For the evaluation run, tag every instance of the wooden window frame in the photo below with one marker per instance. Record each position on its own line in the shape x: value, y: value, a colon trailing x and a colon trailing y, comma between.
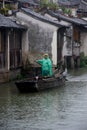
x: 15, y: 50
x: 2, y: 49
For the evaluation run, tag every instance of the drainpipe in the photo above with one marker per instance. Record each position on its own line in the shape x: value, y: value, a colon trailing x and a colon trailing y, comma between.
x: 72, y: 60
x: 8, y: 51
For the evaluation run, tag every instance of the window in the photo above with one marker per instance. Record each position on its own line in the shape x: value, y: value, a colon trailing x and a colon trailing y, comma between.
x: 76, y: 34
x: 15, y: 49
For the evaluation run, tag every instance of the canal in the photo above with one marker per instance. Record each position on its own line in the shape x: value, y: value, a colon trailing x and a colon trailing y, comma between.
x: 63, y: 108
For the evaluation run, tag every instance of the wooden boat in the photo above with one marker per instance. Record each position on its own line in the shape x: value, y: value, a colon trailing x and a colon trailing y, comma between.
x: 39, y: 84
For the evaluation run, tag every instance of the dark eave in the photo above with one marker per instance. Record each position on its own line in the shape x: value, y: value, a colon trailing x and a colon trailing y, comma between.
x: 83, y: 6
x: 72, y: 20
x: 31, y: 2
x: 70, y: 3
x: 8, y: 23
x: 41, y: 17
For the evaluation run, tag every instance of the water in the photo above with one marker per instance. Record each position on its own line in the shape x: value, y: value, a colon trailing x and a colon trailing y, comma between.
x: 64, y: 108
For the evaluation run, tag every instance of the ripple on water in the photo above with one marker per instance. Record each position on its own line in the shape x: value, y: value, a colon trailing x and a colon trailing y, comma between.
x: 64, y: 108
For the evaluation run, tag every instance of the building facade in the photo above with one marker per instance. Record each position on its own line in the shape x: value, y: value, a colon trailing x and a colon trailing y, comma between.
x: 10, y: 48
x: 44, y: 35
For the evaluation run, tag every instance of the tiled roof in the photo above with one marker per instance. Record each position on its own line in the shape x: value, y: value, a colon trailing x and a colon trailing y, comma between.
x: 28, y: 1
x: 69, y: 2
x: 41, y: 17
x: 84, y: 0
x: 73, y: 20
x: 83, y: 6
x: 8, y: 23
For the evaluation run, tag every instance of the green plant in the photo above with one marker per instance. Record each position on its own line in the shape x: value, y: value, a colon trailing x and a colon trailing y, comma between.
x: 47, y: 4
x: 83, y: 60
x: 4, y: 11
x: 69, y: 12
x: 66, y: 11
x: 63, y: 9
x: 43, y: 3
x: 52, y: 6
x: 8, y: 7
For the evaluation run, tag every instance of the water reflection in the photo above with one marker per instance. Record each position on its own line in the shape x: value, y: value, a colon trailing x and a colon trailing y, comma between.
x: 64, y: 108
x: 78, y: 75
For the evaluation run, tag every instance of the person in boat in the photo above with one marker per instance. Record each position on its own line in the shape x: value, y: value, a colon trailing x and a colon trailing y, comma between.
x: 46, y: 65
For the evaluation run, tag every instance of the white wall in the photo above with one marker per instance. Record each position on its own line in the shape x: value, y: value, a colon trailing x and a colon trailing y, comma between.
x: 44, y: 35
x: 66, y: 51
x: 54, y: 48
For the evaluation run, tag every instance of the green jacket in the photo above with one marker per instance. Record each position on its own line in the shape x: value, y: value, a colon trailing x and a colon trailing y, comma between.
x: 46, y: 66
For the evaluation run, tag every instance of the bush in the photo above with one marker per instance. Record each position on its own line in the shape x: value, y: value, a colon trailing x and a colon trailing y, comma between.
x: 4, y: 11
x: 46, y: 4
x: 83, y: 60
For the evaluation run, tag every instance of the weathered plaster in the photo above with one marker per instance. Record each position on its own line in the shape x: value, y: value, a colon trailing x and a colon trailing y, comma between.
x: 54, y: 48
x: 84, y: 43
x: 66, y: 51
x: 42, y: 37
